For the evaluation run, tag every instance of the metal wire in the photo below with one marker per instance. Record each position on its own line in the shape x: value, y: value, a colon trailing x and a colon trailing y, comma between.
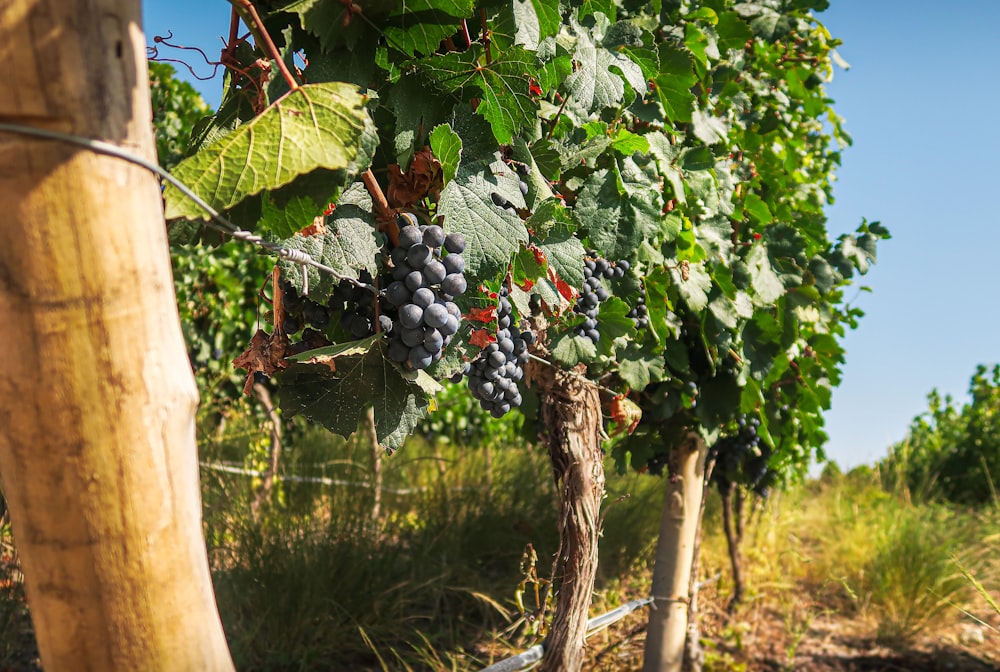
x: 217, y: 221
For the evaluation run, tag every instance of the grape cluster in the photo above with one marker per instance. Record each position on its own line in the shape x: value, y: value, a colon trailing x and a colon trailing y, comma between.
x: 640, y: 314
x: 428, y: 273
x: 594, y: 292
x: 493, y: 375
x: 742, y: 459
x: 356, y: 306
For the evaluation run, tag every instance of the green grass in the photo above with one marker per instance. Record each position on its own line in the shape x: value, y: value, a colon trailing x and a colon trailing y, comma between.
x: 313, y: 581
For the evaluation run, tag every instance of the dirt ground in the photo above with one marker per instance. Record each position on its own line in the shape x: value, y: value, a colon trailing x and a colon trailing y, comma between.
x: 768, y: 641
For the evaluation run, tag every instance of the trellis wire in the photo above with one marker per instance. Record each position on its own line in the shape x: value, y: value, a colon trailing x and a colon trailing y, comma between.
x: 217, y: 221
x: 535, y: 653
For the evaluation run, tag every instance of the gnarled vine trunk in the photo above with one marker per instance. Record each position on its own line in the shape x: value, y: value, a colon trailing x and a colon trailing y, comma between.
x: 97, y: 398
x: 675, y: 550
x: 570, y: 427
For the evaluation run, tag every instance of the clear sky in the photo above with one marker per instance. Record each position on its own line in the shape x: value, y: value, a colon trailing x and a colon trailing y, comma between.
x: 921, y: 101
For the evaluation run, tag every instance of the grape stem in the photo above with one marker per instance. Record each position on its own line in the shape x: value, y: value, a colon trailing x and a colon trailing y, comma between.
x: 607, y: 390
x: 382, y: 209
x: 267, y: 44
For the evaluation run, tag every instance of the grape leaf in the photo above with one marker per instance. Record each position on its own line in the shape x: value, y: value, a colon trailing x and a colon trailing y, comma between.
x: 447, y: 148
x: 284, y: 222
x: 638, y: 367
x: 615, y: 223
x: 528, y: 30
x: 765, y: 281
x: 503, y: 85
x: 316, y: 126
x: 596, y: 84
x: 335, y: 390
x: 565, y: 254
x: 348, y: 245
x: 493, y: 234
x: 570, y: 350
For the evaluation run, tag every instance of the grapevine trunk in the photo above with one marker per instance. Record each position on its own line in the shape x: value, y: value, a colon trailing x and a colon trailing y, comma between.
x: 570, y: 415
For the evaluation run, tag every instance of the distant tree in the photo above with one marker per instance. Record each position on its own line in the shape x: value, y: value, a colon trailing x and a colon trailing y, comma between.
x: 952, y: 453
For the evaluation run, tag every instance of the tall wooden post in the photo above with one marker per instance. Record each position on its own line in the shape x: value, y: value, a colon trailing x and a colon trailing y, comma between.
x: 97, y: 400
x: 675, y: 549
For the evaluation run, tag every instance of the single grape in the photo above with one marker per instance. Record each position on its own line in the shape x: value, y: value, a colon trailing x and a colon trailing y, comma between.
x: 454, y: 243
x: 397, y: 293
x: 434, y: 236
x: 454, y: 263
x: 418, y: 256
x: 454, y: 284
x: 411, y: 315
x: 398, y: 351
x: 435, y: 315
x: 414, y: 280
x: 423, y: 297
x: 385, y: 323
x: 412, y: 336
x: 409, y: 236
x: 420, y: 358
x: 435, y: 272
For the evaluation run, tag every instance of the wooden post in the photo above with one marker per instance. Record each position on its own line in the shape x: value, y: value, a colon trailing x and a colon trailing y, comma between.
x: 675, y: 547
x: 97, y: 400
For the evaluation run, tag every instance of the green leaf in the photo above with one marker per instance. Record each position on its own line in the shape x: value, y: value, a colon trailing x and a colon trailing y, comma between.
x: 528, y: 29
x: 733, y: 31
x: 284, y: 222
x: 493, y: 234
x: 673, y: 84
x: 565, y: 254
x: 707, y: 128
x: 348, y: 245
x: 764, y: 280
x: 694, y: 291
x: 754, y: 206
x: 316, y: 126
x: 570, y: 350
x: 638, y: 368
x: 596, y: 84
x: 447, y: 147
x: 336, y: 390
x: 616, y: 222
x: 502, y: 84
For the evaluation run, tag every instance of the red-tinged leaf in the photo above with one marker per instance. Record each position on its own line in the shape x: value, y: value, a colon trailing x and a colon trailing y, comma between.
x: 265, y: 353
x: 487, y: 314
x: 567, y: 292
x: 481, y: 338
x: 625, y: 414
x: 540, y: 257
x: 526, y: 285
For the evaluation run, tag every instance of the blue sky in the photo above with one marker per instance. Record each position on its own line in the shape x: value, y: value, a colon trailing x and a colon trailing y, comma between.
x: 920, y: 101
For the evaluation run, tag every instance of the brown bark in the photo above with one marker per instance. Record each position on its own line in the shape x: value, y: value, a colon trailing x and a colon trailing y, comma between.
x: 570, y: 418
x: 668, y: 620
x: 97, y: 399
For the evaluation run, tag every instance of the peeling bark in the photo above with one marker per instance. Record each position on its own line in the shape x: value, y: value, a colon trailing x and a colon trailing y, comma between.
x: 570, y: 428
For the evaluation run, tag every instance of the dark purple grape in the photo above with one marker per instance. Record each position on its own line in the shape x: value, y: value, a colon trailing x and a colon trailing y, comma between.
x: 420, y: 358
x: 398, y: 352
x: 397, y: 293
x: 385, y: 323
x: 418, y: 256
x: 423, y: 297
x: 412, y: 336
x: 454, y: 243
x: 411, y: 315
x: 409, y: 236
x: 415, y: 280
x: 454, y: 284
x: 454, y: 263
x: 436, y: 315
x: 434, y: 236
x: 435, y: 272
